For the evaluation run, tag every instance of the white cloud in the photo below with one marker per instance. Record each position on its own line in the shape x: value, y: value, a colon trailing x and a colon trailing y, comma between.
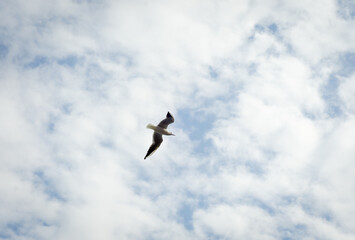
x: 81, y: 79
x: 233, y: 222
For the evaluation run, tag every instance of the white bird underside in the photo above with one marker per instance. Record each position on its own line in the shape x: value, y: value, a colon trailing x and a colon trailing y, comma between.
x: 159, y: 131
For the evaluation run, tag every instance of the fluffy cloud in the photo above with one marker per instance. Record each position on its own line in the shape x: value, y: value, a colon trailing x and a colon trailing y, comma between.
x: 263, y: 100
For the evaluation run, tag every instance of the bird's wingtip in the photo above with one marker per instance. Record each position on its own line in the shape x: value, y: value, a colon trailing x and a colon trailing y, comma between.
x: 168, y: 114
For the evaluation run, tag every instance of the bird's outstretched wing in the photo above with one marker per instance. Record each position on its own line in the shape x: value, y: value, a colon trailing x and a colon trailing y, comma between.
x: 165, y: 123
x: 157, y: 140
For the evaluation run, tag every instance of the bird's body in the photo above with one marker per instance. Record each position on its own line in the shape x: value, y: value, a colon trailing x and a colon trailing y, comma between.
x: 159, y: 131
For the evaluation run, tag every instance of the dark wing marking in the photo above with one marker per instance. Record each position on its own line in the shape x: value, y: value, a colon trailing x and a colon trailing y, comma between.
x: 164, y: 123
x: 157, y: 140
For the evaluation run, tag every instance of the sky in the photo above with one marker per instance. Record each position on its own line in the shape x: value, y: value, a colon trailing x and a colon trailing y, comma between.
x: 263, y: 96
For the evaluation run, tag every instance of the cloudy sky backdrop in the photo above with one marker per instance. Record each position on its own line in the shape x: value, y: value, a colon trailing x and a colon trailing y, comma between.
x: 263, y: 95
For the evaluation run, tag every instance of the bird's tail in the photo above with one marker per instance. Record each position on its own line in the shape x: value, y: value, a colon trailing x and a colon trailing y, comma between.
x: 151, y: 126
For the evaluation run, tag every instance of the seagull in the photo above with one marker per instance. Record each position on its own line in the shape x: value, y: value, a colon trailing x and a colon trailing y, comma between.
x: 159, y: 131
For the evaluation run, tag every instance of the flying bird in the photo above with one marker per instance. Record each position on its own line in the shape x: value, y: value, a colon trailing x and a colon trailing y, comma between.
x: 159, y: 131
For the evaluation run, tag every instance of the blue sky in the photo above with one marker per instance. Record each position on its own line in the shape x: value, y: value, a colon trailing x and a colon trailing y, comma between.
x: 263, y: 95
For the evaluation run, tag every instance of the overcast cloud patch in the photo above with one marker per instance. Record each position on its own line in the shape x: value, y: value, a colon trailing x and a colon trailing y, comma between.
x: 263, y: 99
